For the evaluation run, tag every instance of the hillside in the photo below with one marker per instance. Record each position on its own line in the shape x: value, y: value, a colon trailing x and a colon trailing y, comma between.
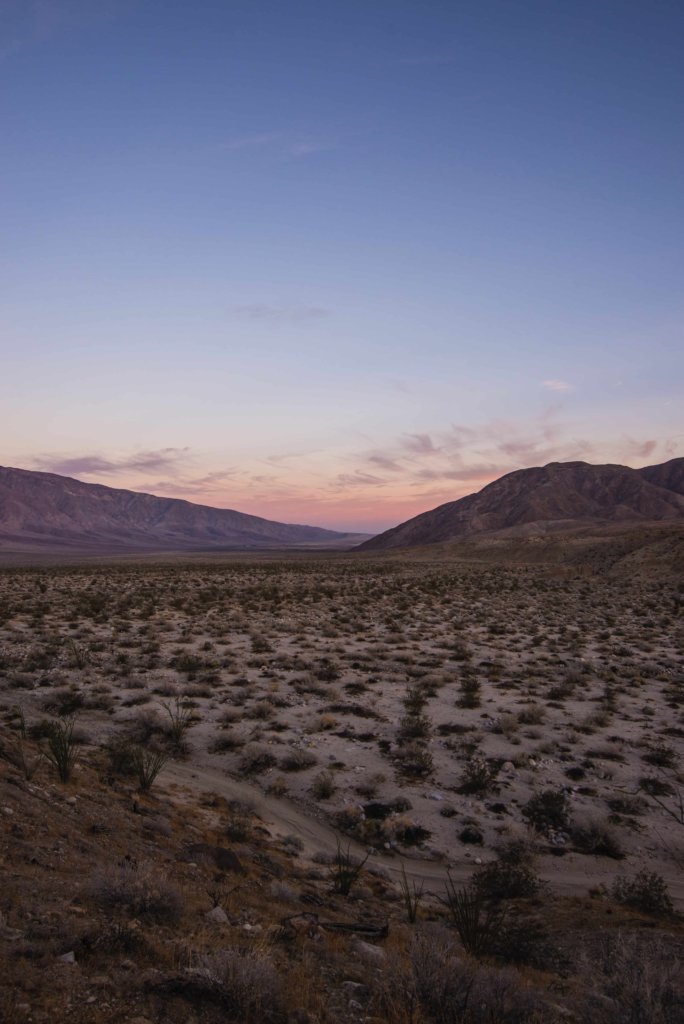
x: 43, y: 511
x: 669, y: 475
x: 559, y: 496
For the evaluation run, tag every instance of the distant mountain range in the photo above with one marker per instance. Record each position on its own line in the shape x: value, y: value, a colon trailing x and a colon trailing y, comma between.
x: 46, y: 512
x: 560, y: 496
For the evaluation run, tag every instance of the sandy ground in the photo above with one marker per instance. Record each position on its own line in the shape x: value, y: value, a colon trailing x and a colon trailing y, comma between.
x: 450, y: 695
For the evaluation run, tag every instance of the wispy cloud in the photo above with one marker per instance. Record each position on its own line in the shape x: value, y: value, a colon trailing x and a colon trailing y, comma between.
x: 95, y: 465
x: 557, y: 385
x: 421, y: 444
x: 358, y: 479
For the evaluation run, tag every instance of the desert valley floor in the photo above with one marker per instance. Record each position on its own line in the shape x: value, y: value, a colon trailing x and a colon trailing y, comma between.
x: 432, y: 713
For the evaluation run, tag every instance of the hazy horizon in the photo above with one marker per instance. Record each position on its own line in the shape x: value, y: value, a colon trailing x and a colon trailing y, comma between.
x: 339, y: 263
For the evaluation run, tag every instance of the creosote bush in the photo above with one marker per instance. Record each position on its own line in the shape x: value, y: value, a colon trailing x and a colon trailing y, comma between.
x: 511, y: 876
x: 139, y: 890
x: 245, y: 982
x: 548, y: 810
x: 646, y: 891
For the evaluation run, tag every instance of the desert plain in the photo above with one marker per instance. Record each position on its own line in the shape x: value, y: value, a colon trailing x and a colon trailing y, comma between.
x: 419, y: 716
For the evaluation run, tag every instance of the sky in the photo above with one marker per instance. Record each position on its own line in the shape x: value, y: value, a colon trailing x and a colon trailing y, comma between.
x: 339, y: 261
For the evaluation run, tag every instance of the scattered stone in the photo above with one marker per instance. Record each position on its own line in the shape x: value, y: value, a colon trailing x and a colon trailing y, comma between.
x: 369, y: 953
x: 217, y: 915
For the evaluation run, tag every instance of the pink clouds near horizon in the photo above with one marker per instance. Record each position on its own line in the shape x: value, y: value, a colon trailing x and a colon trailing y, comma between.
x: 366, y: 489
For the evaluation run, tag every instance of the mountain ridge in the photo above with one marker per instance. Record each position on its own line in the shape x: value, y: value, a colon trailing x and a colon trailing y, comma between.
x: 46, y: 510
x: 558, y: 496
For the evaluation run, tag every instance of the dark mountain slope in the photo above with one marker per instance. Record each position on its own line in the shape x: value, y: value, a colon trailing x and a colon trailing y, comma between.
x: 50, y: 511
x: 558, y: 496
x: 669, y: 475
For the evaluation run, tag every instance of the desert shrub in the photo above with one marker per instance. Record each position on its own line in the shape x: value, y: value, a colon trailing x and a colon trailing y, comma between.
x: 119, y: 752
x: 140, y: 890
x: 450, y: 989
x: 408, y: 833
x: 415, y: 700
x: 64, y: 702
x: 654, y: 786
x: 479, y: 775
x: 61, y: 749
x: 147, y: 764
x: 414, y: 727
x: 327, y: 671
x: 323, y: 786
x: 345, y: 870
x: 256, y: 759
x: 470, y: 693
x: 661, y: 755
x: 510, y: 876
x: 297, y: 760
x: 595, y: 837
x: 228, y: 739
x: 477, y: 920
x: 411, y: 896
x: 547, y: 810
x: 632, y: 805
x: 15, y: 751
x: 533, y: 714
x: 179, y: 720
x: 348, y: 817
x: 144, y: 726
x: 246, y: 983
x: 645, y: 891
x: 632, y: 979
x: 414, y: 761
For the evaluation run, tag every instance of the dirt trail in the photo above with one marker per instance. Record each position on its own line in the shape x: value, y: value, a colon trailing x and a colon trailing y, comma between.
x: 571, y: 875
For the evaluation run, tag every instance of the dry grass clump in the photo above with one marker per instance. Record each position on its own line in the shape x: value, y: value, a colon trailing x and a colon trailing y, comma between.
x: 630, y: 978
x: 434, y: 982
x: 245, y: 983
x: 138, y: 890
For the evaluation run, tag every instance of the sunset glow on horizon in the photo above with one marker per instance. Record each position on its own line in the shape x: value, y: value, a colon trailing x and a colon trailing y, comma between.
x: 339, y: 263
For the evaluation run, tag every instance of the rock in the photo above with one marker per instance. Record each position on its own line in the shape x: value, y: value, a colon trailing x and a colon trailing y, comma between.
x: 217, y: 915
x: 223, y: 858
x: 369, y: 953
x: 68, y: 958
x: 355, y: 990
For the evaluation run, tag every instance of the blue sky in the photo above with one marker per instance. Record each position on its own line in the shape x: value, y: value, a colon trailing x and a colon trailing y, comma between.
x: 338, y: 262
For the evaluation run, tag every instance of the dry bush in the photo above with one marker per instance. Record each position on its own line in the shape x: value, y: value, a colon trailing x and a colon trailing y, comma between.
x: 140, y: 890
x: 645, y: 891
x: 632, y: 979
x: 511, y: 876
x: 256, y: 759
x: 246, y: 983
x: 323, y: 786
x: 437, y: 985
x: 298, y: 760
x: 592, y: 836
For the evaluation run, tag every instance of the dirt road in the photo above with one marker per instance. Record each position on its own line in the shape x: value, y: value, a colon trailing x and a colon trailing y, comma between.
x: 571, y: 875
